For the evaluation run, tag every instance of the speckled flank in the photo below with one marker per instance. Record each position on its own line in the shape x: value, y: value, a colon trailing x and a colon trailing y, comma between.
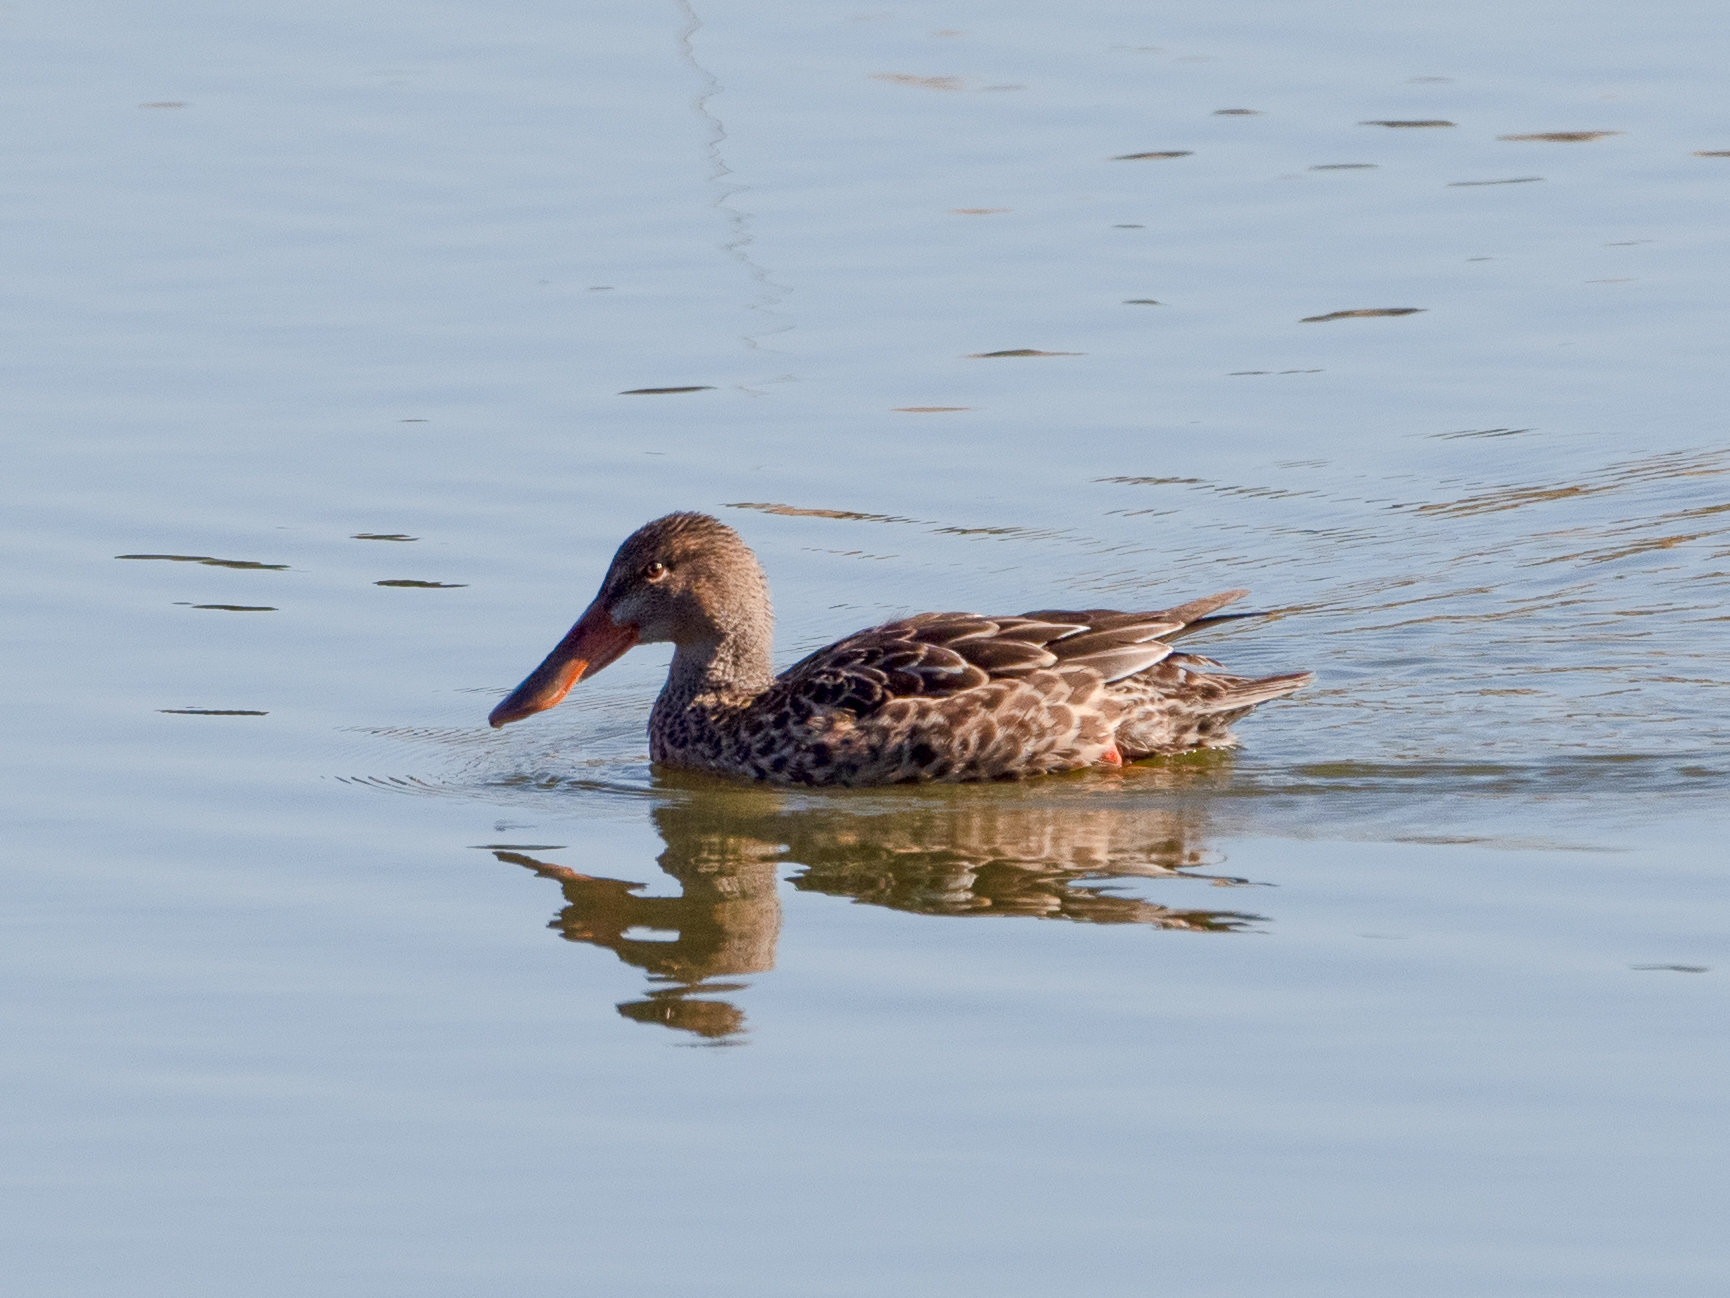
x: 938, y: 697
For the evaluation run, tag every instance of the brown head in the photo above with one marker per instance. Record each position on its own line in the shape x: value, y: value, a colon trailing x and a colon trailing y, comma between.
x: 686, y: 579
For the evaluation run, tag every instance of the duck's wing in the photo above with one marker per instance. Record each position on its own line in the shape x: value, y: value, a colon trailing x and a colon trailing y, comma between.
x: 1196, y: 615
x: 936, y: 655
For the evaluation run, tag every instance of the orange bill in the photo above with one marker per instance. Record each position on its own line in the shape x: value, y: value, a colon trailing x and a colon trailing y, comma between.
x: 589, y: 646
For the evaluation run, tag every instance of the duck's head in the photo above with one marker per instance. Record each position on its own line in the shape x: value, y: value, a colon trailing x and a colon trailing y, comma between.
x: 686, y: 579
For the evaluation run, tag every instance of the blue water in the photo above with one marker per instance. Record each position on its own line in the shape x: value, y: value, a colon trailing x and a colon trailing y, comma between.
x: 338, y: 991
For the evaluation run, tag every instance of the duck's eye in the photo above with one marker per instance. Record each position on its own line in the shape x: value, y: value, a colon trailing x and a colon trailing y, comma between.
x: 655, y: 571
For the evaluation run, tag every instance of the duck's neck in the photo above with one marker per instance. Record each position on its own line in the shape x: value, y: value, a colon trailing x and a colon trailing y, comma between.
x: 726, y: 672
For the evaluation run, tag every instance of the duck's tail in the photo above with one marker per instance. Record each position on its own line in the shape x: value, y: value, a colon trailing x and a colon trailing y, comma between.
x: 1182, y: 705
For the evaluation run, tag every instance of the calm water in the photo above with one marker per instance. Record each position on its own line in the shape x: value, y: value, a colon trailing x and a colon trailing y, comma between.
x: 318, y: 321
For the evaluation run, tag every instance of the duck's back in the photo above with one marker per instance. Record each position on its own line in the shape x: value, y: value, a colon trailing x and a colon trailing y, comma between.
x: 961, y: 697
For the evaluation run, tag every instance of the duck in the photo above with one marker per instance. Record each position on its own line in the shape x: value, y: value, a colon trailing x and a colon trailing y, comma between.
x: 938, y: 697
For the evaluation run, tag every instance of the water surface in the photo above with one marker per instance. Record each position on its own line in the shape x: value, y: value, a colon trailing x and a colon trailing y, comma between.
x: 391, y: 321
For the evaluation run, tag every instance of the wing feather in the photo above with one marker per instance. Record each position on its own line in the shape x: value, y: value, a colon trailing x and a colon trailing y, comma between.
x: 941, y: 655
x: 1127, y: 660
x: 1130, y: 633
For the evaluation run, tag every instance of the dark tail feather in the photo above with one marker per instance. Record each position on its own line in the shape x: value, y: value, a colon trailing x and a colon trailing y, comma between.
x: 1198, y: 609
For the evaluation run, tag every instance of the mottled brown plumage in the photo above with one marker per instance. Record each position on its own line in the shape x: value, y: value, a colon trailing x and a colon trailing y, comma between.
x: 940, y: 696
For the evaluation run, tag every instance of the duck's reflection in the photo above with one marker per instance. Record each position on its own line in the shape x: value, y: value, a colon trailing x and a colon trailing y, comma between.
x: 992, y: 853
x: 724, y: 923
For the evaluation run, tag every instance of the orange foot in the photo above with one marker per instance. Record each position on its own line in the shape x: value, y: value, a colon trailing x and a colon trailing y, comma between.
x: 1111, y: 757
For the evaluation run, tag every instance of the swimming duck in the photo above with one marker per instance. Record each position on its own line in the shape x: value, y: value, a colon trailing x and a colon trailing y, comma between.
x: 937, y: 697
